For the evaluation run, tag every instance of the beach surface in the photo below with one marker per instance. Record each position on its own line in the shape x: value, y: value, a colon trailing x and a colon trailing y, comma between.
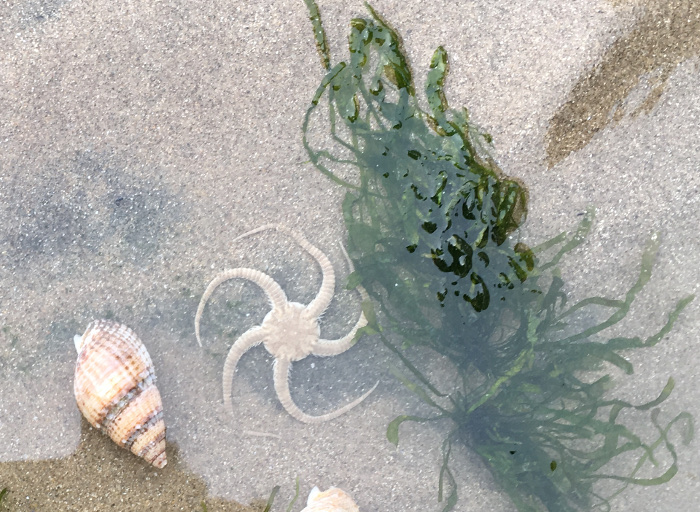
x: 138, y: 139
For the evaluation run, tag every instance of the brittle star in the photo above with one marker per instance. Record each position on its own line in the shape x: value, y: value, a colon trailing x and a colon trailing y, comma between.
x: 290, y: 331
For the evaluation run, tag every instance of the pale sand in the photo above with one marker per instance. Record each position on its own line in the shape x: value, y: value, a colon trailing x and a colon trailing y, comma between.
x: 137, y: 139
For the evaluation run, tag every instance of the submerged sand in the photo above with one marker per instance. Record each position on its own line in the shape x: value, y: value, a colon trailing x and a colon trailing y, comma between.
x: 138, y: 139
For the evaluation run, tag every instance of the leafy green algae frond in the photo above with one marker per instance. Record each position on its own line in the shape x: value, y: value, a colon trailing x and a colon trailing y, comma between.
x: 429, y: 218
x: 424, y: 188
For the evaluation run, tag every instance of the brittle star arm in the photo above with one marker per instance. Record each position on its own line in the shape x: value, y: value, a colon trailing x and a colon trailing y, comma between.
x: 248, y: 340
x: 273, y: 291
x: 281, y: 378
x: 325, y: 294
x: 326, y: 348
x: 334, y: 347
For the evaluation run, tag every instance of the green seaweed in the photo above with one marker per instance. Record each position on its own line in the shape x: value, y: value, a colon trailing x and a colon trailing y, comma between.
x: 430, y: 222
x: 271, y: 499
x: 273, y: 494
x: 296, y: 495
x: 429, y: 190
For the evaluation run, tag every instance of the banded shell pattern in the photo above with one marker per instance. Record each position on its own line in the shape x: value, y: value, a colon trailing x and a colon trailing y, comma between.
x: 115, y: 388
x: 332, y: 500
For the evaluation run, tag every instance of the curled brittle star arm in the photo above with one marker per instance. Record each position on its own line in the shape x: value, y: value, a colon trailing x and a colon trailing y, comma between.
x: 325, y: 294
x: 334, y: 347
x: 281, y: 378
x: 273, y: 291
x: 247, y: 340
x: 326, y: 348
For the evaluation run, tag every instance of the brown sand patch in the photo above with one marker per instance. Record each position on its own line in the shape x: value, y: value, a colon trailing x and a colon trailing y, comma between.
x: 101, y: 476
x: 667, y: 33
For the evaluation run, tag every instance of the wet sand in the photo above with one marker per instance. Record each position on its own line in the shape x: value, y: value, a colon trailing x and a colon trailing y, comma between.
x: 137, y: 140
x: 97, y: 476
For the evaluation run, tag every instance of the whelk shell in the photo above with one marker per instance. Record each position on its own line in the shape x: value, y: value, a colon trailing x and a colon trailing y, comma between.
x: 332, y: 500
x: 116, y: 391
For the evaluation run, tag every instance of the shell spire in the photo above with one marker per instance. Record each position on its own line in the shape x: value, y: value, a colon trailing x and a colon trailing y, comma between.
x: 115, y: 388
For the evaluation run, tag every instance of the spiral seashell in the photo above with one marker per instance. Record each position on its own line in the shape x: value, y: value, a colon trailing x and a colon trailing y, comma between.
x: 115, y: 387
x: 332, y: 500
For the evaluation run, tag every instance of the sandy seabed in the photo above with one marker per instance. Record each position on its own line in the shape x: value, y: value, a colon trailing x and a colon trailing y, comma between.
x: 137, y: 139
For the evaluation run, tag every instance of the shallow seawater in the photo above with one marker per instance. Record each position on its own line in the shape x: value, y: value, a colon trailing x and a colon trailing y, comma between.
x: 137, y: 141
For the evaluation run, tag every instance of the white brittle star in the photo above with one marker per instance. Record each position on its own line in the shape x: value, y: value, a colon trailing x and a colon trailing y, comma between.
x: 290, y: 331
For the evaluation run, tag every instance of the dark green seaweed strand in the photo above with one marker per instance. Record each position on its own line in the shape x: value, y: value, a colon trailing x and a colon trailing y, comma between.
x: 296, y: 495
x: 319, y: 34
x: 687, y: 437
x: 446, y: 477
x: 271, y: 499
x: 622, y: 310
x: 392, y: 431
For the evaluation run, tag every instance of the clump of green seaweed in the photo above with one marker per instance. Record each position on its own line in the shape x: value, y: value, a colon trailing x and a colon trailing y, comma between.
x: 429, y: 231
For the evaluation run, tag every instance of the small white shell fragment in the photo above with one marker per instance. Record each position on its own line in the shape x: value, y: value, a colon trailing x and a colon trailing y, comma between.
x: 332, y: 500
x: 115, y: 388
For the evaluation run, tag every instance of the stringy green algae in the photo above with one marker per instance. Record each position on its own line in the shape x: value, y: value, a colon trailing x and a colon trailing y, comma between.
x: 429, y: 217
